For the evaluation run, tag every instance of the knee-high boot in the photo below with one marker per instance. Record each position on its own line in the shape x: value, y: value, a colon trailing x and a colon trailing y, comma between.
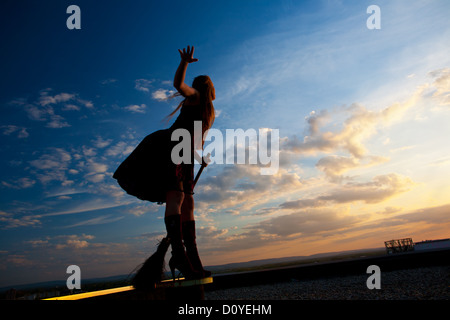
x: 179, y: 259
x: 191, y: 247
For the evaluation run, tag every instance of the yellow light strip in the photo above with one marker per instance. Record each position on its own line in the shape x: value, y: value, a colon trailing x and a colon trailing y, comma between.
x: 179, y: 282
x: 85, y: 295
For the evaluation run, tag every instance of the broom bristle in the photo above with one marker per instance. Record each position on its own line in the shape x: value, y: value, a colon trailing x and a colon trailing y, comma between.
x: 152, y: 269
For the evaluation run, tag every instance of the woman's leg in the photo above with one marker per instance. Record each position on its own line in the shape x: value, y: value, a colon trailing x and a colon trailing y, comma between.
x: 172, y: 219
x: 174, y: 201
x: 189, y: 234
x: 187, y: 208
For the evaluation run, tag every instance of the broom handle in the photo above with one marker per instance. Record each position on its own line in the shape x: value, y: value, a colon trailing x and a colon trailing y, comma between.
x: 200, y: 171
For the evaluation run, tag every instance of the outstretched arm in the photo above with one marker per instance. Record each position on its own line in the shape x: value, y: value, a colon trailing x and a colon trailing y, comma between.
x: 178, y: 82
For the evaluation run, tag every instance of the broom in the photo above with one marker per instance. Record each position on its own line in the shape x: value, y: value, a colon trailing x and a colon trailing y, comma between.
x: 152, y: 269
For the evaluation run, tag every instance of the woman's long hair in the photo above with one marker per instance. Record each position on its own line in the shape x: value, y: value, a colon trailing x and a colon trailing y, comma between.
x: 205, y: 87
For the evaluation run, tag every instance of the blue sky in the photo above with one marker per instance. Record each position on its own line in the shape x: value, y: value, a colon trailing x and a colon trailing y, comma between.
x: 362, y: 116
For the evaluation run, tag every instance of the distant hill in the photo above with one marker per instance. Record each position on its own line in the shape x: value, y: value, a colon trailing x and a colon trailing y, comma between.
x: 288, y: 261
x: 225, y: 268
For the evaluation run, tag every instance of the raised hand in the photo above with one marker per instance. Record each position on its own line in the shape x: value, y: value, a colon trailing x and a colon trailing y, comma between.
x: 187, y: 55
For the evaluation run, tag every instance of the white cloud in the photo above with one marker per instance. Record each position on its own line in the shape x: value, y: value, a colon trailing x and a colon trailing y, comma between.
x: 73, y: 107
x: 360, y: 124
x: 62, y: 97
x: 72, y: 241
x: 335, y: 166
x: 306, y: 223
x: 56, y: 121
x: 96, y: 221
x: 51, y: 165
x: 9, y: 220
x: 45, y: 100
x: 442, y: 85
x: 88, y: 104
x: 85, y: 206
x: 21, y: 183
x: 162, y: 94
x: 43, y: 108
x: 95, y: 178
x: 121, y: 148
x: 143, y: 209
x: 143, y: 85
x: 12, y: 129
x: 55, y: 159
x: 95, y: 167
x: 380, y: 189
x: 211, y: 232
x: 243, y: 188
x: 38, y: 114
x: 100, y: 143
x: 136, y: 108
x: 108, y: 81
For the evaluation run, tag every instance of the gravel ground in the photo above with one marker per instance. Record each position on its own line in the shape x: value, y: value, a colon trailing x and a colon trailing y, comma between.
x: 431, y: 283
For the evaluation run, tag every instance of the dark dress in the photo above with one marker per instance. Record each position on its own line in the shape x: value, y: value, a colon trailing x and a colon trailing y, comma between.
x: 149, y: 172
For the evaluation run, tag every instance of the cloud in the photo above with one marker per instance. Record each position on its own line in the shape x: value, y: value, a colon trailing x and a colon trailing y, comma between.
x: 46, y: 99
x: 19, y: 260
x: 433, y: 215
x: 162, y: 94
x: 381, y: 188
x: 136, y: 108
x: 95, y: 167
x: 52, y: 166
x: 38, y: 113
x: 12, y: 129
x: 335, y: 166
x: 71, y: 241
x: 307, y: 223
x: 442, y: 85
x: 56, y: 121
x: 143, y: 85
x: 360, y: 124
x: 43, y: 108
x: 9, y: 220
x: 96, y: 221
x: 243, y: 186
x: 21, y: 183
x: 346, y: 130
x: 57, y: 158
x: 328, y: 222
x: 108, y: 81
x: 410, y: 223
x: 211, y: 232
x: 95, y: 171
x: 85, y: 206
x: 120, y: 148
x: 100, y: 143
x: 143, y: 209
x: 73, y: 107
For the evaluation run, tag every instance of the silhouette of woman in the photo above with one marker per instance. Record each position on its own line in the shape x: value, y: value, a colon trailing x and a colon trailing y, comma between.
x: 150, y: 174
x: 179, y: 215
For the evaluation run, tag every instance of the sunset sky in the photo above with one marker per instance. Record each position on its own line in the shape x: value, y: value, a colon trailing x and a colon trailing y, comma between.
x: 363, y: 117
